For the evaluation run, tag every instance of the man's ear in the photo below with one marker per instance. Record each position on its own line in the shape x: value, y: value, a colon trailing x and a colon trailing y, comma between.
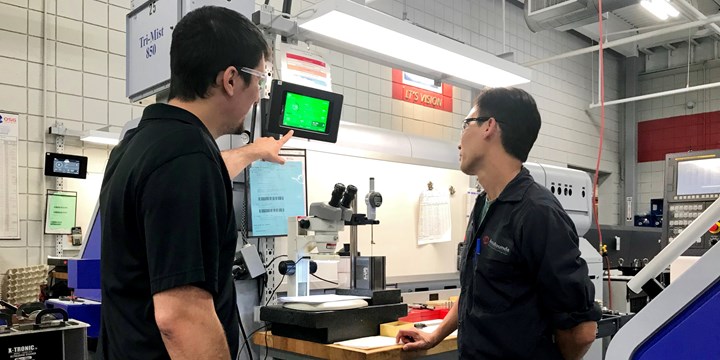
x: 228, y: 80
x: 492, y: 127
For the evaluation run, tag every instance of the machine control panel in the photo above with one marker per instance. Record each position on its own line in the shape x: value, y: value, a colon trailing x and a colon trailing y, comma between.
x: 682, y: 214
x: 691, y: 186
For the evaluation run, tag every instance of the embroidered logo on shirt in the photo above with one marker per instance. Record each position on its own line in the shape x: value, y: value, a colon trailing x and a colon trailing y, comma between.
x: 499, y: 248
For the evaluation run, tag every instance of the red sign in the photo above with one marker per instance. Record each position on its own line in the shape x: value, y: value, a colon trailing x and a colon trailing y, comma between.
x: 411, y: 88
x: 677, y: 134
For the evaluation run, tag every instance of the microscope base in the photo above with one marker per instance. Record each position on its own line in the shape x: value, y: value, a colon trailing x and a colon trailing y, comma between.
x: 330, y: 326
x: 377, y: 297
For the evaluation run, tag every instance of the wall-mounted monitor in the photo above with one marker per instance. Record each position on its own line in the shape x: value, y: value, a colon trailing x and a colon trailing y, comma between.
x: 64, y: 165
x: 311, y: 113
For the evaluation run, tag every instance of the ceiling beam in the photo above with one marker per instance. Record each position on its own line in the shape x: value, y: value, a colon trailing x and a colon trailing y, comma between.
x: 627, y: 40
x: 696, y: 14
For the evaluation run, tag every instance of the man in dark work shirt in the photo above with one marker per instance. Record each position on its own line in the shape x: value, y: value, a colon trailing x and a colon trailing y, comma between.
x: 168, y: 228
x: 525, y: 291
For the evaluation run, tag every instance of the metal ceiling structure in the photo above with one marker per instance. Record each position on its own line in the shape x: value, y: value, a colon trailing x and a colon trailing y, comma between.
x: 625, y: 20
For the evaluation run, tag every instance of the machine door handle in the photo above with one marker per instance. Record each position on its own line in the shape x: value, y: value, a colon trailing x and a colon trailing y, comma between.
x: 38, y: 318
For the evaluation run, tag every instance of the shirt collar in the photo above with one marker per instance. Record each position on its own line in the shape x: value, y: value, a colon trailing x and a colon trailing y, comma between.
x: 166, y: 111
x: 515, y: 189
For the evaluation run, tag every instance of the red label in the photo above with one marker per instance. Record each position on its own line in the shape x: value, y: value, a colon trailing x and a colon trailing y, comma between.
x: 413, y: 94
x: 305, y: 59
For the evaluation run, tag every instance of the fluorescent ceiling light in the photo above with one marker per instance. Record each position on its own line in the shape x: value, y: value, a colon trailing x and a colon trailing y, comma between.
x: 368, y: 33
x: 100, y: 137
x: 662, y: 9
x: 669, y: 9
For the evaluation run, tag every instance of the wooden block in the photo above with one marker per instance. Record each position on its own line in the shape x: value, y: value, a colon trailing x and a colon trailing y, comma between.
x: 391, y: 329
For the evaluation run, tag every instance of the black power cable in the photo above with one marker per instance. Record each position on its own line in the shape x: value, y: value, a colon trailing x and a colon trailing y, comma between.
x: 273, y: 260
x: 325, y: 280
x: 245, y: 341
x: 242, y: 329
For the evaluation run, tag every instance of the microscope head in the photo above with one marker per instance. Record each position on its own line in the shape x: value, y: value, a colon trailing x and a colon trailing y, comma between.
x: 337, y: 209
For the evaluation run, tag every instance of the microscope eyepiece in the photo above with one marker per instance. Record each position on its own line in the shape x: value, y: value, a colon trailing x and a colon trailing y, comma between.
x: 337, y: 194
x: 349, y: 196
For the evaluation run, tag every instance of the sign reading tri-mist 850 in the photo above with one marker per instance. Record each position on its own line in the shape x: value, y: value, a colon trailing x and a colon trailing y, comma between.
x: 311, y: 113
x: 149, y: 33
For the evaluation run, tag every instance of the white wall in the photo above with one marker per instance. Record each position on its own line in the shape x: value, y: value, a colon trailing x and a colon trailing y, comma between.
x: 563, y: 89
x: 86, y: 87
x: 86, y: 48
x: 667, y: 70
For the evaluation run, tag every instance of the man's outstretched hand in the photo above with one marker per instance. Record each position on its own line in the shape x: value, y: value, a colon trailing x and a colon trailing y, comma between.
x: 414, y: 339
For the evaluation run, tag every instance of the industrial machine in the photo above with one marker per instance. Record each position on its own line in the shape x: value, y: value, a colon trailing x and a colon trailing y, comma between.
x: 629, y: 248
x: 573, y: 188
x: 41, y: 334
x: 84, y: 280
x: 692, y: 183
x: 682, y: 319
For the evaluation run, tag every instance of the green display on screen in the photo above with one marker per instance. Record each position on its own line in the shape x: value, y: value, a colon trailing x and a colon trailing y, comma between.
x: 305, y: 112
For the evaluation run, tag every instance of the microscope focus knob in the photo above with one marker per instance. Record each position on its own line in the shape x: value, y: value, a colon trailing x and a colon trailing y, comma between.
x: 287, y: 267
x: 374, y: 199
x: 304, y: 224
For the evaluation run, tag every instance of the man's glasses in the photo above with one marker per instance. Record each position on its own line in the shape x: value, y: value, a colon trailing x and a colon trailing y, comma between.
x: 261, y: 76
x: 479, y: 120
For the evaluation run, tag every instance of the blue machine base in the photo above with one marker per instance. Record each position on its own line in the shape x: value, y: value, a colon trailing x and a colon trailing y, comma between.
x: 693, y: 334
x: 84, y: 277
x: 86, y: 312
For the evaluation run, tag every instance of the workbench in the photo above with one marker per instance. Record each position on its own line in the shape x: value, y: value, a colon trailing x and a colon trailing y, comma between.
x: 280, y: 347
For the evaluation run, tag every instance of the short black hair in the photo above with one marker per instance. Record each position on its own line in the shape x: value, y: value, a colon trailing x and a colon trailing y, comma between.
x: 209, y: 40
x: 517, y: 116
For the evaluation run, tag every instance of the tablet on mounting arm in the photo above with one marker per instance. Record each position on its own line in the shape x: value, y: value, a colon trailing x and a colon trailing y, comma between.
x: 311, y: 113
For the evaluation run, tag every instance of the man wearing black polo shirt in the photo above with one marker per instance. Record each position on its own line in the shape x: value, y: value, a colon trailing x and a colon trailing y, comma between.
x: 525, y: 291
x: 168, y: 228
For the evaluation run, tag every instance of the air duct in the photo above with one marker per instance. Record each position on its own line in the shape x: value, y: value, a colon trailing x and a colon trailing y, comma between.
x: 566, y: 14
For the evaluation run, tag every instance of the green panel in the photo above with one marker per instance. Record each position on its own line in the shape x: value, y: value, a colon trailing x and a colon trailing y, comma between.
x: 305, y: 112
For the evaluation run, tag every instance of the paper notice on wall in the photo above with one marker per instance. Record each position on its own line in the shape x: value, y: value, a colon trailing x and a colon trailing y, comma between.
x: 60, y: 212
x: 9, y: 205
x: 472, y: 194
x: 303, y: 68
x: 434, y: 224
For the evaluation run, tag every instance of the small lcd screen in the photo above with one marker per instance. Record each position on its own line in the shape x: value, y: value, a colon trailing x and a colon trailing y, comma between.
x: 697, y: 177
x: 66, y: 166
x: 305, y: 112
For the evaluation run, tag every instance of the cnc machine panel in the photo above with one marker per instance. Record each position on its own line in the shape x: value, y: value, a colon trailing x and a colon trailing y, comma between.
x: 692, y: 183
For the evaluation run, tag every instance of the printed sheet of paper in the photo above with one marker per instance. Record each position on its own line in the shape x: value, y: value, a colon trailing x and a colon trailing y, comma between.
x: 370, y: 342
x: 434, y: 224
x: 472, y: 195
x: 61, y: 212
x: 9, y: 204
x: 277, y: 192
